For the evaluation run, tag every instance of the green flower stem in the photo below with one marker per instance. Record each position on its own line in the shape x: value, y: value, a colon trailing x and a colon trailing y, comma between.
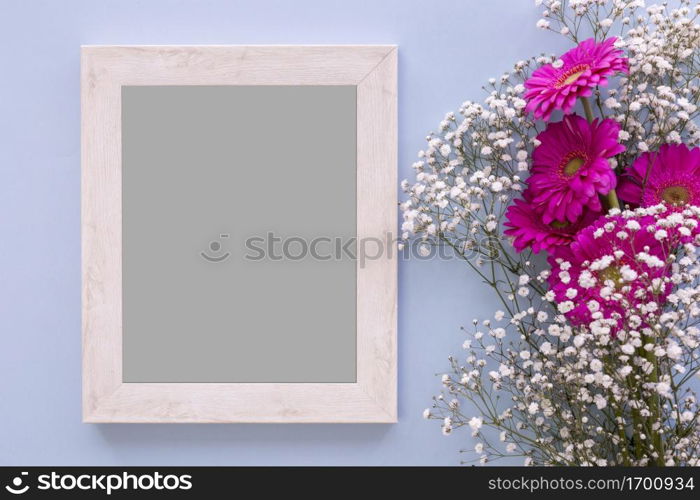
x: 655, y: 405
x: 636, y: 425
x: 609, y: 200
x: 624, y: 442
x: 587, y: 109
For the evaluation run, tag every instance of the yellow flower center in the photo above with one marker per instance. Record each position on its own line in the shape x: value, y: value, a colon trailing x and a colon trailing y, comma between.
x: 559, y: 225
x: 573, y: 165
x: 675, y: 195
x: 570, y: 76
x: 611, y: 273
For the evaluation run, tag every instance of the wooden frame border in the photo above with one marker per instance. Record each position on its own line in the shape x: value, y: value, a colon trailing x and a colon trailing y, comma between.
x: 104, y: 69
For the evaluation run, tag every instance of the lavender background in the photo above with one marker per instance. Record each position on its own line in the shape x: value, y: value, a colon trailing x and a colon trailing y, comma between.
x: 447, y: 49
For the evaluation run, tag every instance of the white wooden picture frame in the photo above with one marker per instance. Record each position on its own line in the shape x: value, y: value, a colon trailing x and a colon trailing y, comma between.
x: 106, y: 398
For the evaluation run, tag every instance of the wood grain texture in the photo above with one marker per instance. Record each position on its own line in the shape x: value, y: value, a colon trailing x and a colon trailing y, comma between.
x: 376, y: 220
x: 100, y: 234
x: 236, y: 65
x: 104, y: 70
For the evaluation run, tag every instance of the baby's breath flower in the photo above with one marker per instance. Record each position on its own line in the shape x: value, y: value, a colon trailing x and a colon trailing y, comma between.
x: 597, y: 373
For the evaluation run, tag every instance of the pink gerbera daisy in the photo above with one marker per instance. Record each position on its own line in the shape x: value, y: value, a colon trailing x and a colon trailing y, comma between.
x: 671, y: 176
x: 525, y: 225
x: 570, y: 167
x: 557, y: 86
x: 602, y: 269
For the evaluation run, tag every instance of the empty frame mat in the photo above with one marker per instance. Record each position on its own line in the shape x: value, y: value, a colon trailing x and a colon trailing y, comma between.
x: 238, y: 208
x: 233, y: 199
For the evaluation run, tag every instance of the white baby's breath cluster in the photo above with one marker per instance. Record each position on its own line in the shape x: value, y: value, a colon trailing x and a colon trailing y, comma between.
x: 657, y: 102
x: 537, y: 386
x: 472, y: 168
x: 557, y: 394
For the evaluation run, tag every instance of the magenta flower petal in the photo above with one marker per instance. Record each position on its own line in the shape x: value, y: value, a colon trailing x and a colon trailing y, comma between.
x: 602, y: 258
x: 585, y: 66
x: 671, y: 176
x: 525, y: 225
x: 570, y: 167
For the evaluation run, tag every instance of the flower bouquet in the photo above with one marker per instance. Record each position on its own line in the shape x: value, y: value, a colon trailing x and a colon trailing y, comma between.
x: 574, y: 193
